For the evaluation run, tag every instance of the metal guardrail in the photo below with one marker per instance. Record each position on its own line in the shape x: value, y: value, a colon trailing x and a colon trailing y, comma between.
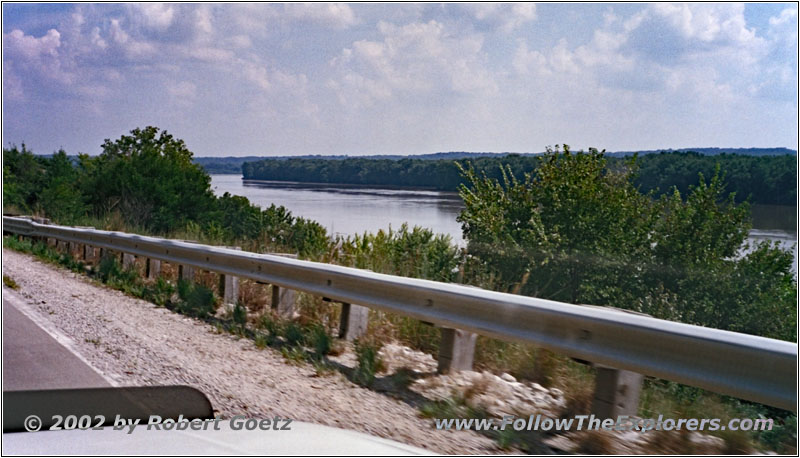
x: 744, y: 366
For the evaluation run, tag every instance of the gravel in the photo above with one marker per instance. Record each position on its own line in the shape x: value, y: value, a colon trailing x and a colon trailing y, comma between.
x: 135, y: 343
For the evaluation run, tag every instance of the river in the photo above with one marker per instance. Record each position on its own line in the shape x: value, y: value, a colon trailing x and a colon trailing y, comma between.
x: 348, y: 210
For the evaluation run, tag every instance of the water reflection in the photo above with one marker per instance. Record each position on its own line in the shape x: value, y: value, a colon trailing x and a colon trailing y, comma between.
x: 349, y: 210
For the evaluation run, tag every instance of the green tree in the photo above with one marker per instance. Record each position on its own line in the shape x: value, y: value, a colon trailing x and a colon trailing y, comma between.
x: 61, y: 198
x: 149, y: 178
x: 23, y: 178
x: 578, y: 230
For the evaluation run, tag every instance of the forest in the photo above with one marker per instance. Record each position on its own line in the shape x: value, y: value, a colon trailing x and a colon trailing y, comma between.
x: 757, y: 179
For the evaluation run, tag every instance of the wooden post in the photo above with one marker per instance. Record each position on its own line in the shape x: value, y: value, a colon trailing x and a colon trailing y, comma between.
x: 354, y: 320
x: 283, y: 301
x: 128, y: 261
x: 616, y: 392
x: 229, y: 288
x: 456, y: 351
x: 186, y: 273
x: 88, y: 254
x: 153, y: 268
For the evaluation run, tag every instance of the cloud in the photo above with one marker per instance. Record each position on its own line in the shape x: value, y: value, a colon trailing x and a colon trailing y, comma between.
x: 667, y: 32
x: 336, y: 15
x: 503, y: 16
x: 412, y: 60
x: 353, y: 77
x: 157, y: 16
x: 36, y: 57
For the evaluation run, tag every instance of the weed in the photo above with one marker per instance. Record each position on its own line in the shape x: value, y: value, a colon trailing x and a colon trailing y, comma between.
x: 8, y: 281
x: 323, y: 369
x: 293, y: 355
x: 294, y: 334
x: 158, y: 292
x: 197, y: 300
x: 240, y: 314
x: 320, y: 340
x: 369, y: 362
x: 261, y: 341
x: 451, y: 408
x: 94, y: 341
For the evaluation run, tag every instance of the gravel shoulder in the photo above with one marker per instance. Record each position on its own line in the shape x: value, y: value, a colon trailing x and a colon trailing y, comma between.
x: 134, y: 343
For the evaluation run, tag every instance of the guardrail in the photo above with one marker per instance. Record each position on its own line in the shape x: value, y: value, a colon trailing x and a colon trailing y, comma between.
x: 744, y: 366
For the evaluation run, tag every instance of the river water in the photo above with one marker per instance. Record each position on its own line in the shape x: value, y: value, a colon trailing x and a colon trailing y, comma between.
x: 349, y: 210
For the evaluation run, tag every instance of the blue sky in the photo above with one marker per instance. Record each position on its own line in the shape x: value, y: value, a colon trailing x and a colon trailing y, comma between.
x: 274, y: 79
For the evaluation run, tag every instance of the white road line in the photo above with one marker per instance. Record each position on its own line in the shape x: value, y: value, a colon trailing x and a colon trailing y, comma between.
x: 15, y: 300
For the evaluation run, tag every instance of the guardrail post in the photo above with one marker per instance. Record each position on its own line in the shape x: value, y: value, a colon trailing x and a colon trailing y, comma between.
x: 456, y: 351
x: 354, y: 320
x: 229, y: 287
x: 186, y: 273
x: 616, y: 392
x: 229, y: 290
x: 128, y: 261
x: 283, y: 301
x: 88, y: 253
x: 152, y: 268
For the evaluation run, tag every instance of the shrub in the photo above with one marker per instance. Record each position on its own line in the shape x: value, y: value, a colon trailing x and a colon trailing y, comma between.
x: 369, y: 362
x: 240, y: 314
x: 196, y: 299
x: 320, y: 340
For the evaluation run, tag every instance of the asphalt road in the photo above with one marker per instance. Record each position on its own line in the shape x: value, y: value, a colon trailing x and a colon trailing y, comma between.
x: 34, y: 360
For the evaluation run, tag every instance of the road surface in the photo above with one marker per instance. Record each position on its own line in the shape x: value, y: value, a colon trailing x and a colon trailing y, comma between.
x: 34, y: 360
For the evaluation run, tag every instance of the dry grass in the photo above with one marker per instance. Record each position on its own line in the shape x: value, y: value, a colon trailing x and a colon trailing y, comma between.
x: 255, y: 296
x: 595, y: 442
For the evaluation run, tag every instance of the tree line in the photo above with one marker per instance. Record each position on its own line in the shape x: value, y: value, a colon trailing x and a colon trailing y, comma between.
x: 572, y: 227
x: 759, y: 179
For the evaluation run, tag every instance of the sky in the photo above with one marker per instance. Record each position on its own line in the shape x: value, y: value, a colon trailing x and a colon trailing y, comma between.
x: 292, y: 79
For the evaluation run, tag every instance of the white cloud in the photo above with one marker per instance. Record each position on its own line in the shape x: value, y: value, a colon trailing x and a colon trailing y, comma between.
x: 38, y: 56
x: 336, y: 15
x: 158, y: 16
x: 358, y: 78
x: 504, y: 16
x: 678, y: 32
x: 414, y: 59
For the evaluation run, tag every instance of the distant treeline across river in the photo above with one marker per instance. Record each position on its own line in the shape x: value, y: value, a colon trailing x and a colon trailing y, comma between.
x: 762, y: 179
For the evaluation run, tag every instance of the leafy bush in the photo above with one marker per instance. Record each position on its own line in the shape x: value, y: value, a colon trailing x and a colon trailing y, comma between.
x: 576, y: 230
x: 294, y: 334
x: 159, y: 292
x: 196, y: 299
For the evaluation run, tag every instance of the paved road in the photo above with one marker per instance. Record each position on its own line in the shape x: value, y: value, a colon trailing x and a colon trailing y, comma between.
x: 34, y: 360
